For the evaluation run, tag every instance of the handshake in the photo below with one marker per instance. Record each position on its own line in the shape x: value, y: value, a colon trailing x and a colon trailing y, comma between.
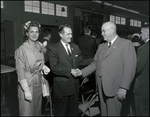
x: 76, y: 72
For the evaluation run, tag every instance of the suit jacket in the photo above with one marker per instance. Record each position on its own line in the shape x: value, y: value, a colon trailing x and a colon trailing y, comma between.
x: 60, y: 63
x: 87, y: 46
x: 141, y: 86
x: 115, y: 65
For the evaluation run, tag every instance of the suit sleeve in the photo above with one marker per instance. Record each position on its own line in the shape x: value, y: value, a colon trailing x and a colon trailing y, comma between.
x: 129, y: 63
x: 143, y: 54
x: 91, y: 67
x: 20, y: 64
x: 82, y: 61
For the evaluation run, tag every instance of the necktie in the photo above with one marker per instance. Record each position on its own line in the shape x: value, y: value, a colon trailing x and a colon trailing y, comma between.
x: 109, y: 44
x: 69, y: 53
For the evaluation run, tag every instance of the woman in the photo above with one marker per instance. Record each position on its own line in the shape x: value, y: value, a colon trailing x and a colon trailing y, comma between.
x: 30, y: 66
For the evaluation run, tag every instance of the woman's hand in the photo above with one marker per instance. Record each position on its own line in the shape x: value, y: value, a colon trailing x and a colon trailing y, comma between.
x: 46, y: 70
x: 28, y: 95
x: 27, y: 92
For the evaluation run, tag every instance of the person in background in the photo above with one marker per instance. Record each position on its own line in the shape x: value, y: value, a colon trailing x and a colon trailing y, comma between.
x: 47, y: 34
x: 46, y: 40
x: 29, y: 60
x: 64, y: 58
x: 94, y: 36
x: 136, y: 40
x: 87, y: 44
x: 115, y: 65
x: 141, y: 86
x: 101, y: 40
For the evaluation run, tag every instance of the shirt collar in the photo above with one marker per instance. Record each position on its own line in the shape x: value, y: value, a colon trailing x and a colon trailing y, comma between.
x: 45, y: 38
x: 147, y: 40
x: 64, y: 44
x: 112, y: 41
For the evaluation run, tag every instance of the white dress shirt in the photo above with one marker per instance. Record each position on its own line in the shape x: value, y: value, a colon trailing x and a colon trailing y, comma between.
x: 112, y: 41
x: 64, y: 44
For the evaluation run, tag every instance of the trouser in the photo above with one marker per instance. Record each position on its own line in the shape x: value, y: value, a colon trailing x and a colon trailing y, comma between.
x: 66, y: 105
x: 141, y: 105
x: 109, y: 106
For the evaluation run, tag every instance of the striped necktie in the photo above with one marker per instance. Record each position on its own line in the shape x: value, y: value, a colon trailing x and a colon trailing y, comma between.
x: 69, y: 53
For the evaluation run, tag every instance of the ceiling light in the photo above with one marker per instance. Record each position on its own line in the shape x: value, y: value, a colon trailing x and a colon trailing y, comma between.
x: 115, y: 6
x: 108, y: 4
x: 133, y: 11
x: 97, y: 1
x: 144, y: 15
x: 119, y: 7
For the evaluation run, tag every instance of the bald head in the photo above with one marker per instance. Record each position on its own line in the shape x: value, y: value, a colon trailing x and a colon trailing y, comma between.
x: 108, y: 30
x: 146, y: 29
x: 110, y: 25
x: 145, y: 33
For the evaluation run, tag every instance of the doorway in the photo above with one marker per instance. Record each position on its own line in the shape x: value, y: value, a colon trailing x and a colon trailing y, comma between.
x: 55, y: 36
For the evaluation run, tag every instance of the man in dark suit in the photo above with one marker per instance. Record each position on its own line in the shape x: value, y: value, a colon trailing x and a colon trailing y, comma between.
x: 88, y: 47
x: 87, y: 44
x: 46, y: 40
x: 64, y: 58
x: 141, y: 86
x: 115, y: 66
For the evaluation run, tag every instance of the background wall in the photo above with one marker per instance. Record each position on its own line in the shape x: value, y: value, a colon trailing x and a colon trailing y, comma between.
x: 13, y: 17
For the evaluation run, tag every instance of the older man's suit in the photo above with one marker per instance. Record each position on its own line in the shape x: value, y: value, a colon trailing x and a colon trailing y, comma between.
x: 115, y: 68
x: 141, y: 86
x: 65, y: 84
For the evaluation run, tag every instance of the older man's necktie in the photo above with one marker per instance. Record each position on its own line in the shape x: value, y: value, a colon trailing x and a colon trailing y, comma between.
x: 109, y: 44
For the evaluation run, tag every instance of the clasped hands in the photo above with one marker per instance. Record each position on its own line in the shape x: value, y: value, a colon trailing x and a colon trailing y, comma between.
x: 76, y: 72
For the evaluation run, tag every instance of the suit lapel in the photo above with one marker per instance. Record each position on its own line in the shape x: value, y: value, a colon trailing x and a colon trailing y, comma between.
x: 73, y: 55
x: 112, y: 48
x: 105, y: 48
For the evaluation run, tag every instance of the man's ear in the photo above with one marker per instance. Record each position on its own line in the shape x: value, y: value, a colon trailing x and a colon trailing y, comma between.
x: 60, y: 35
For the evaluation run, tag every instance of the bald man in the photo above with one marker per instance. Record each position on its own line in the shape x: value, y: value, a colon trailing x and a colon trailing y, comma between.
x: 115, y: 66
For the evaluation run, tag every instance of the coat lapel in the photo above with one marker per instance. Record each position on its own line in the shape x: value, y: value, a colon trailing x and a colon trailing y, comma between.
x: 73, y: 55
x: 30, y: 54
x: 112, y: 48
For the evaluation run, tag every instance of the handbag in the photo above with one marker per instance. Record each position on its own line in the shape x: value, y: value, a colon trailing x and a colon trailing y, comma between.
x: 45, y: 87
x: 46, y: 93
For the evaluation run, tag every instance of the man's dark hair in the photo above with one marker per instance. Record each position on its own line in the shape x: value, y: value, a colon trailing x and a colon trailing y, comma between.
x: 62, y: 27
x: 46, y: 32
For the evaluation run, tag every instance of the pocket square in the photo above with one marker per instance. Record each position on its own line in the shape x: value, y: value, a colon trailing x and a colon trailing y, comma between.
x: 76, y: 55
